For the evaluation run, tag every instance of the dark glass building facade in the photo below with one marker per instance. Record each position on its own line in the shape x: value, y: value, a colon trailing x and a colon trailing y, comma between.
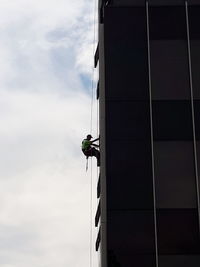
x: 149, y: 94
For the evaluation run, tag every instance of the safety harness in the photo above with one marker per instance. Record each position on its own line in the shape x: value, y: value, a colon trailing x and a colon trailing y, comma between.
x: 86, y: 146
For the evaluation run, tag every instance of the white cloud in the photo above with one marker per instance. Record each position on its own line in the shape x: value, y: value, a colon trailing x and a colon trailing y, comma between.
x: 45, y: 47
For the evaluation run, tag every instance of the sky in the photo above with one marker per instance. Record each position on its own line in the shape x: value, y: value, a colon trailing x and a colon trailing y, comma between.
x: 46, y: 67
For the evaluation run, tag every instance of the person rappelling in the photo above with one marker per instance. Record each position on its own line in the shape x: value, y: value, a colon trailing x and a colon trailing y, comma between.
x: 89, y: 150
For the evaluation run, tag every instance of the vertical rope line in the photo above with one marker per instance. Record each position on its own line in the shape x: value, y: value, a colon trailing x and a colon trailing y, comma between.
x: 92, y: 76
x: 91, y: 215
x: 151, y: 122
x: 91, y: 126
x: 97, y: 118
x: 192, y: 108
x: 92, y: 98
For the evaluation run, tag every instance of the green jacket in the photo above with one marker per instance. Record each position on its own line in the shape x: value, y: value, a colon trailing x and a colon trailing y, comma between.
x: 86, y: 144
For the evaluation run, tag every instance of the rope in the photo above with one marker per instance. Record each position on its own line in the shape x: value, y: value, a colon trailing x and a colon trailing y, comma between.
x: 91, y: 126
x: 92, y: 77
x: 92, y: 100
x: 91, y: 196
x: 151, y: 122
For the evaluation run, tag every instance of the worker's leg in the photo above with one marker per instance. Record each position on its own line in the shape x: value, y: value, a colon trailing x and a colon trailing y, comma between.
x: 96, y: 154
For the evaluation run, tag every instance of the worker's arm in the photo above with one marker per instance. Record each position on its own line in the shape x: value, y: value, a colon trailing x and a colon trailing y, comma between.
x: 95, y: 140
x: 95, y: 145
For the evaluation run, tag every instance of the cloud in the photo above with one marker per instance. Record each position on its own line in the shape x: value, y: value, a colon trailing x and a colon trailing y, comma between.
x: 32, y: 32
x: 46, y: 52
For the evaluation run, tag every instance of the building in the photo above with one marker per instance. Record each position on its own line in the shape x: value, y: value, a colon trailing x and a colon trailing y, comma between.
x: 149, y: 93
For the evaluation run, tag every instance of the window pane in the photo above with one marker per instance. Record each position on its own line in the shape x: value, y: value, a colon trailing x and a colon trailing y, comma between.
x: 167, y: 22
x: 194, y: 2
x: 126, y: 53
x: 179, y: 261
x: 197, y: 118
x: 169, y: 69
x: 131, y: 233
x: 172, y: 120
x: 178, y: 231
x: 128, y: 120
x: 198, y: 159
x: 175, y: 175
x: 123, y: 258
x: 166, y: 2
x: 194, y: 21
x: 195, y: 59
x: 129, y: 175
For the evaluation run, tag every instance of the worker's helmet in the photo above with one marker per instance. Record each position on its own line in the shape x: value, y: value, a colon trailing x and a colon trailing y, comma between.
x: 89, y: 136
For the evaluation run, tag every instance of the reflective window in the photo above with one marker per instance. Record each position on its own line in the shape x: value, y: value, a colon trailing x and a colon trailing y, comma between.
x: 130, y: 232
x: 165, y: 2
x: 167, y: 22
x: 128, y: 120
x: 172, y: 120
x: 179, y: 260
x: 194, y: 3
x: 195, y: 59
x: 197, y: 118
x: 178, y: 231
x: 123, y: 258
x: 194, y: 21
x: 175, y: 175
x: 169, y: 69
x: 129, y: 175
x: 126, y: 53
x: 198, y: 159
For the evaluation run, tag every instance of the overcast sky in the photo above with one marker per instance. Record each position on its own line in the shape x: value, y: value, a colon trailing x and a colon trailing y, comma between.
x: 46, y: 57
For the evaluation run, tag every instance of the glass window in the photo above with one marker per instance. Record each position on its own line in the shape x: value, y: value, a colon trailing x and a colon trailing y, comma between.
x: 178, y: 231
x: 130, y: 233
x: 179, y: 260
x: 165, y: 2
x: 128, y: 120
x: 127, y: 3
x: 194, y: 2
x: 198, y: 159
x: 194, y: 21
x: 172, y: 120
x: 175, y: 175
x: 169, y: 69
x: 167, y: 22
x: 129, y: 175
x: 197, y: 118
x: 195, y: 59
x: 123, y: 258
x: 126, y: 53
